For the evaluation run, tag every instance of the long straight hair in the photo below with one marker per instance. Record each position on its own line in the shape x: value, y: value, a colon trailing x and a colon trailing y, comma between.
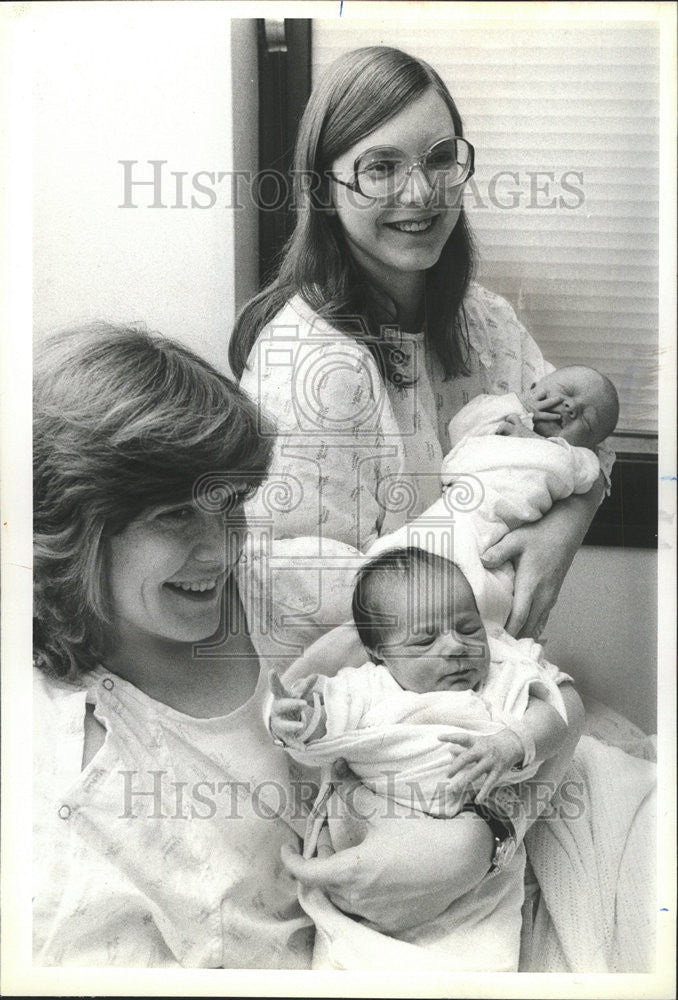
x: 360, y: 91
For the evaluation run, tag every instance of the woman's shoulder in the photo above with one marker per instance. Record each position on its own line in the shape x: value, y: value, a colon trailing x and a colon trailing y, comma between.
x: 52, y: 694
x: 299, y: 350
x: 482, y: 297
x: 489, y: 311
x: 500, y: 340
x: 299, y: 323
x: 59, y: 711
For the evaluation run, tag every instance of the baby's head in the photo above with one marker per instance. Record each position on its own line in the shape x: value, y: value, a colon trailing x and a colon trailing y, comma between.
x: 415, y: 612
x: 589, y: 407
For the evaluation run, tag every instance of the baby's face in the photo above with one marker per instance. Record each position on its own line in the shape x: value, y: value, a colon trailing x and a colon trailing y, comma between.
x: 439, y: 642
x: 581, y: 405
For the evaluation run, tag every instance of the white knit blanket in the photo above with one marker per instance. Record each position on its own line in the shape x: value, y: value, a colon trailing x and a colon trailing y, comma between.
x: 594, y: 857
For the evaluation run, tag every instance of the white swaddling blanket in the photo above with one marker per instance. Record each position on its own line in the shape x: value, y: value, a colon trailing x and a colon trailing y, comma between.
x: 596, y: 870
x: 595, y: 865
x: 389, y: 736
x: 492, y: 485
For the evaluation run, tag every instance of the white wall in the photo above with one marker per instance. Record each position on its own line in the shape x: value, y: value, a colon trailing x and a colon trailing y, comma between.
x: 141, y: 81
x: 604, y: 626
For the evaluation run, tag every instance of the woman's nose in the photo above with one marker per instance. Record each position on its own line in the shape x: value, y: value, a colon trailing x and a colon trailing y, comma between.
x: 210, y: 541
x: 416, y: 190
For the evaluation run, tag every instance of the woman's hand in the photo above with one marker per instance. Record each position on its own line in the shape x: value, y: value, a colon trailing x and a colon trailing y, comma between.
x: 541, y: 554
x: 399, y: 870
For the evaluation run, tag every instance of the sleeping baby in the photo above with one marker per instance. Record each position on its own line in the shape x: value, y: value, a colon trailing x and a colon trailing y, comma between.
x: 434, y: 674
x: 512, y: 458
x: 436, y: 681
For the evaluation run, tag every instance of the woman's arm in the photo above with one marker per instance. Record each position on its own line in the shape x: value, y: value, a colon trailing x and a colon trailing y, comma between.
x: 399, y: 870
x: 489, y: 759
x: 537, y: 792
x: 341, y: 647
x: 542, y: 554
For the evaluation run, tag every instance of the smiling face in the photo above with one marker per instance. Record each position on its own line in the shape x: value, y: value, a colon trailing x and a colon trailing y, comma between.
x: 588, y: 408
x: 405, y: 234
x: 167, y: 571
x: 439, y: 642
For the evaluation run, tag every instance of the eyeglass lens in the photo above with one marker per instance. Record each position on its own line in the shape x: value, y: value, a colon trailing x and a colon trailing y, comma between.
x: 383, y: 171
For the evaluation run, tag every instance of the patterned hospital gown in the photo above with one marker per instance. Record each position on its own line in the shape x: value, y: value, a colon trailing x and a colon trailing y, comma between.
x: 355, y: 458
x: 165, y: 849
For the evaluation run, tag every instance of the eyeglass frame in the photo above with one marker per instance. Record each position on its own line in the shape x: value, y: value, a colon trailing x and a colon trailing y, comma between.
x: 417, y: 161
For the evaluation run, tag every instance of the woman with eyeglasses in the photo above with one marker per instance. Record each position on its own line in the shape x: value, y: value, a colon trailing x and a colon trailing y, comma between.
x: 370, y: 339
x: 373, y: 334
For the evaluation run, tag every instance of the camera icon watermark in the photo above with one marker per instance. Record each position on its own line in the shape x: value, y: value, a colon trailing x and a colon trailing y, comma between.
x: 336, y: 386
x: 296, y: 587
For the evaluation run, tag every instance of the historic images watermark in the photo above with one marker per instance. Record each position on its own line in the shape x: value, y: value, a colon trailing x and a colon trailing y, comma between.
x: 154, y: 184
x: 158, y: 795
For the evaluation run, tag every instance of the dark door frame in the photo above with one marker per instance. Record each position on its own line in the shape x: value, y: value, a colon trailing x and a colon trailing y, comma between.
x: 284, y: 87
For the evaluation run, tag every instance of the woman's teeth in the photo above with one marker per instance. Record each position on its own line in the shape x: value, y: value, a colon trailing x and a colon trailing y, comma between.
x: 413, y: 226
x: 195, y: 587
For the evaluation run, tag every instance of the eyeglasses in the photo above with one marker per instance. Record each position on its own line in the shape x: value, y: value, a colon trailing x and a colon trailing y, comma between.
x: 382, y: 172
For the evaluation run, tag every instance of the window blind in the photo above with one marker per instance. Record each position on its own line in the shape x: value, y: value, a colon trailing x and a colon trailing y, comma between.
x: 565, y: 200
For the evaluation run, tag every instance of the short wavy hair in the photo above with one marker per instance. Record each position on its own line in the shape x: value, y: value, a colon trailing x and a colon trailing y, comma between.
x: 123, y: 420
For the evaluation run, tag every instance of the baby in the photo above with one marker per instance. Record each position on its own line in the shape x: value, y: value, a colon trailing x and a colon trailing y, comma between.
x: 435, y: 676
x: 574, y: 404
x: 436, y: 679
x: 512, y: 458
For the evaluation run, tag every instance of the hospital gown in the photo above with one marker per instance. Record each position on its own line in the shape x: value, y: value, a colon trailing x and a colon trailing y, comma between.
x: 355, y: 457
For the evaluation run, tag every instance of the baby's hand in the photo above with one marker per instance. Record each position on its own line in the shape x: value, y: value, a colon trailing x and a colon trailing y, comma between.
x: 486, y: 757
x: 288, y: 710
x: 541, y: 405
x: 514, y: 427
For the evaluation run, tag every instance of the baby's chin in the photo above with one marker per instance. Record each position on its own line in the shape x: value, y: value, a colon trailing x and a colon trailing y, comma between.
x: 549, y: 429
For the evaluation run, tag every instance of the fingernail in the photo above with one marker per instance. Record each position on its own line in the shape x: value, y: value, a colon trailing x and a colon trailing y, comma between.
x: 339, y: 768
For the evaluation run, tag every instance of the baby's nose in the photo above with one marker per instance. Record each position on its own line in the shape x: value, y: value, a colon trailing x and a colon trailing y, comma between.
x: 452, y: 645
